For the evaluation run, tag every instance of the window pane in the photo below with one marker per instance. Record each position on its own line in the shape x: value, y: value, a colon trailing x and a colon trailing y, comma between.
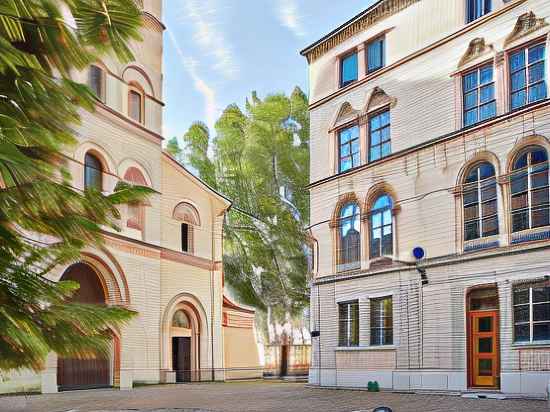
x: 541, y: 294
x: 486, y: 74
x: 536, y: 72
x: 485, y: 367
x: 541, y: 331
x: 385, y: 132
x: 488, y: 190
x: 485, y: 324
x: 518, y: 80
x: 537, y: 92
x: 519, y: 182
x: 488, y: 111
x: 345, y: 150
x: 471, y: 212
x: 521, y: 333
x: 520, y: 221
x: 470, y: 117
x: 485, y: 345
x: 521, y: 296
x: 96, y: 81
x: 374, y: 154
x: 470, y: 100
x: 349, y: 69
x: 490, y: 226
x: 541, y: 311
x: 541, y: 217
x: 470, y: 81
x: 471, y: 196
x: 386, y: 149
x: 487, y: 93
x: 135, y: 106
x: 375, y: 138
x: 345, y: 164
x: 375, y: 55
x: 93, y: 173
x: 536, y: 53
x: 521, y: 313
x: 540, y: 197
x: 517, y: 61
x: 385, y: 118
x: 489, y: 208
x: 471, y: 230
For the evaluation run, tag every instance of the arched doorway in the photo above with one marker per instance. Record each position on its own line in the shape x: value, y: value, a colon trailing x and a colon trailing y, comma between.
x: 85, y: 373
x: 185, y: 343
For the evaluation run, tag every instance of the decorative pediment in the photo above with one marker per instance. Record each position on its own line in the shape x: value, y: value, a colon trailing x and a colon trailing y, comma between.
x: 527, y: 23
x: 345, y: 114
x: 476, y: 48
x: 377, y: 99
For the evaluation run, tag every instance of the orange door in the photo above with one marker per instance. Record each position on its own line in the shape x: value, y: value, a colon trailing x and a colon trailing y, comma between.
x: 483, y: 349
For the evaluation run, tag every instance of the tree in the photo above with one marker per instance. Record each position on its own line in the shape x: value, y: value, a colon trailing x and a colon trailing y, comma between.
x: 44, y: 220
x: 260, y: 160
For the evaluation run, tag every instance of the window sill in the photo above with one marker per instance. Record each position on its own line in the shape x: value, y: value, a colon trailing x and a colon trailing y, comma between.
x: 531, y: 345
x: 365, y: 348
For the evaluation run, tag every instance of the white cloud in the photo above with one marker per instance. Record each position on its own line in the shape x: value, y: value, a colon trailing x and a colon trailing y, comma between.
x: 289, y: 16
x: 203, y: 15
x: 208, y: 93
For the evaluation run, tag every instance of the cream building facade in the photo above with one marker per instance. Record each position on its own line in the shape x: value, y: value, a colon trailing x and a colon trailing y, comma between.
x: 166, y: 262
x: 430, y: 205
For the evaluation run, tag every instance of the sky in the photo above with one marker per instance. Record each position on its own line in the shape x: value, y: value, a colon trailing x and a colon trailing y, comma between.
x: 216, y: 52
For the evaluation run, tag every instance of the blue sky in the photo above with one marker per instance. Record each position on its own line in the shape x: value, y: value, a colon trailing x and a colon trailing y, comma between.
x: 217, y: 51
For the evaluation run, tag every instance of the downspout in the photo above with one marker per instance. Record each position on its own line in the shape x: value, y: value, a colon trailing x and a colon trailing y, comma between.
x: 212, y: 269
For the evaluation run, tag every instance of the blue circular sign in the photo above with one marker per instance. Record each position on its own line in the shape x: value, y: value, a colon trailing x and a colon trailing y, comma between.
x: 418, y: 253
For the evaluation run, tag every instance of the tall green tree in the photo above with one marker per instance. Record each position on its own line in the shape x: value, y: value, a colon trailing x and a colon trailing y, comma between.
x: 44, y: 220
x: 259, y: 158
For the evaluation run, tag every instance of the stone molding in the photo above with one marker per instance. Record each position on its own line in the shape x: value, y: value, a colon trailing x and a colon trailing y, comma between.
x: 476, y: 48
x: 526, y: 24
x: 380, y: 11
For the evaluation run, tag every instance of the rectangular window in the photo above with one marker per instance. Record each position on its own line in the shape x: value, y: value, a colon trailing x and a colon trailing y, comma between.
x: 185, y: 237
x: 375, y: 55
x: 532, y: 313
x: 476, y: 9
x: 348, y: 320
x: 527, y: 76
x: 95, y: 81
x: 379, y: 136
x: 349, y: 70
x: 381, y: 321
x: 478, y: 91
x: 348, y: 148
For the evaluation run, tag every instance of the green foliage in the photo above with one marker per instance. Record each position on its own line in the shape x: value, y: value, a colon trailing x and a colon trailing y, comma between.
x: 44, y: 220
x: 257, y: 155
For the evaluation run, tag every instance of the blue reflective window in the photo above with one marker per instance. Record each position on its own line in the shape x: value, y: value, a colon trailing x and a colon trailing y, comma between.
x: 478, y: 89
x: 379, y: 136
x: 349, y: 150
x: 381, y: 227
x: 527, y: 76
x: 375, y: 55
x: 349, y: 70
x: 349, y: 253
x: 480, y: 202
x: 477, y: 8
x: 530, y: 190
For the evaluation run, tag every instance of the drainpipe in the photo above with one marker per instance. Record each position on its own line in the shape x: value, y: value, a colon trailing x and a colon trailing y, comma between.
x: 212, y: 269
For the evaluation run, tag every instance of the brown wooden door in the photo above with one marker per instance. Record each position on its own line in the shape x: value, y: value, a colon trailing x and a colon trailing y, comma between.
x: 83, y: 373
x: 181, y: 358
x: 483, y: 349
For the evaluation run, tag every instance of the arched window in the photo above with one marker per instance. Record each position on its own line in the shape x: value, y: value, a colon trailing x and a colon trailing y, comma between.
x: 350, y: 237
x: 381, y: 227
x: 480, y: 202
x: 136, y: 210
x: 93, y: 172
x: 96, y: 81
x: 189, y: 216
x: 135, y: 103
x: 181, y: 320
x: 529, y: 189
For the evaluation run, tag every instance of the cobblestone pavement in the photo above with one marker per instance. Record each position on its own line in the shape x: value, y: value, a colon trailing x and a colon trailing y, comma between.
x: 253, y: 396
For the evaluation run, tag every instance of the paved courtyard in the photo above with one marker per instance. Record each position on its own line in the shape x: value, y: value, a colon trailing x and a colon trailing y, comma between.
x: 253, y: 396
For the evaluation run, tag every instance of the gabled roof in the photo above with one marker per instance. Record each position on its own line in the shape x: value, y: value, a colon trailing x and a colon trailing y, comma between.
x: 191, y: 176
x: 378, y: 11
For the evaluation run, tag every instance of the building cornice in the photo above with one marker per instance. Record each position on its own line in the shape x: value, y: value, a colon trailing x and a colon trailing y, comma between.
x: 472, y: 26
x: 377, y: 12
x: 126, y: 122
x: 436, y: 262
x: 433, y: 142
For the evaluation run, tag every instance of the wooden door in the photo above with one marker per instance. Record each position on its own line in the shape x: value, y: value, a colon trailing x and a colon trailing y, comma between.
x: 181, y: 358
x: 483, y: 351
x: 83, y: 373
